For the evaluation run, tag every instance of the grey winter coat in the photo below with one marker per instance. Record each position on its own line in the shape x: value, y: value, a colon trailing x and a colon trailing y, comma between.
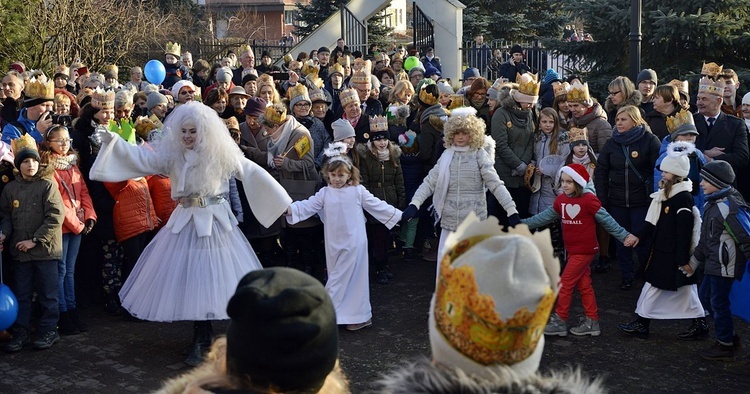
x: 546, y: 195
x: 599, y: 129
x: 513, y: 132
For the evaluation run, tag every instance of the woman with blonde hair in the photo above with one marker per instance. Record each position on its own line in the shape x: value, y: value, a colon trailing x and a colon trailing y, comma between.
x: 267, y: 90
x: 624, y: 181
x: 622, y: 92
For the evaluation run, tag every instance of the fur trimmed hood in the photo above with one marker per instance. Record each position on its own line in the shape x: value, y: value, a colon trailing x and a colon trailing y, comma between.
x: 635, y: 100
x: 364, y: 149
x: 424, y: 377
x: 506, y: 100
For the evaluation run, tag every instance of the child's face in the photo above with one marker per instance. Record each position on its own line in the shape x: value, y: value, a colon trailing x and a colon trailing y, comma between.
x: 686, y: 137
x: 29, y: 167
x: 580, y: 150
x: 381, y: 144
x: 568, y: 184
x: 461, y: 138
x: 189, y: 135
x: 667, y: 176
x: 349, y: 141
x: 445, y: 99
x: 708, y: 188
x: 338, y: 179
x: 546, y: 124
x: 59, y: 141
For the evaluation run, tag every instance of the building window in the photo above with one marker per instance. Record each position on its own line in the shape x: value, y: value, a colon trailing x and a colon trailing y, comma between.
x: 289, y: 17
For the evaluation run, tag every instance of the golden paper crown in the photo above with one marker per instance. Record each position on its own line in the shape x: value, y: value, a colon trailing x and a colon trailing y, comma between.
x: 245, y: 48
x: 361, y: 64
x: 318, y: 95
x: 682, y: 86
x: 24, y: 142
x: 39, y: 88
x: 296, y: 91
x: 232, y: 123
x: 310, y: 68
x: 579, y: 93
x: 562, y: 89
x: 102, y: 99
x: 265, y: 79
x: 335, y: 68
x: 275, y: 114
x: 378, y: 123
x: 469, y: 321
x: 348, y: 96
x: 457, y: 101
x: 113, y: 68
x: 681, y: 118
x: 709, y: 86
x: 576, y: 134
x: 360, y: 77
x: 397, y: 58
x: 172, y: 48
x: 426, y: 97
x: 62, y: 69
x: 345, y: 61
x: 294, y: 64
x: 528, y: 84
x: 711, y: 69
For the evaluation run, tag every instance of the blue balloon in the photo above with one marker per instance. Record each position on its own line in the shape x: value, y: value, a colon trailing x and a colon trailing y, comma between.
x: 8, y: 307
x: 155, y: 72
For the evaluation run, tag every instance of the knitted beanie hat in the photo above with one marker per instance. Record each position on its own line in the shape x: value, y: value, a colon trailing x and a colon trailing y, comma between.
x: 647, y: 75
x: 342, y: 129
x: 578, y: 172
x: 516, y: 49
x: 155, y: 98
x: 718, y: 173
x: 224, y: 74
x: 677, y: 162
x: 444, y: 88
x: 551, y: 76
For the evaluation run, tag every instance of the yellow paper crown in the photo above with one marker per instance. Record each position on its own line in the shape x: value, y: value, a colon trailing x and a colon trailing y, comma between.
x: 310, y: 68
x: 562, y: 89
x: 682, y: 86
x: 427, y: 97
x: 711, y: 69
x: 62, y: 69
x: 528, y: 84
x: 361, y: 64
x: 335, y: 68
x: 457, y: 101
x: 709, y: 86
x: 576, y: 134
x: 39, y: 88
x: 275, y: 114
x: 681, y: 118
x: 265, y: 79
x: 469, y: 321
x: 245, y: 48
x: 345, y: 61
x: 348, y: 96
x: 578, y: 93
x: 318, y: 95
x: 172, y: 48
x: 296, y: 91
x: 102, y: 99
x: 24, y: 142
x: 112, y: 68
x: 378, y: 123
x: 361, y: 76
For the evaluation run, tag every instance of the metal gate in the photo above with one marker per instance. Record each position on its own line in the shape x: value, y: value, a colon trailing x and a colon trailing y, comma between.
x: 424, y: 32
x: 353, y: 31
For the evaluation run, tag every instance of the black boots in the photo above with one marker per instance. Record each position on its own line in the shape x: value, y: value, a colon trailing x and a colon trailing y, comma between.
x: 637, y: 328
x: 203, y: 334
x: 697, y: 330
x: 65, y: 325
x: 75, y: 318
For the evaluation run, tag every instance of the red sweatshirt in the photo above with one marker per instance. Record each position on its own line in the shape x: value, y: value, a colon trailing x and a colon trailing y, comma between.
x: 578, y: 222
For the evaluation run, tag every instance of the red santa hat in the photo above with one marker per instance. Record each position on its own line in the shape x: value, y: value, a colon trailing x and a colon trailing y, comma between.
x: 578, y: 173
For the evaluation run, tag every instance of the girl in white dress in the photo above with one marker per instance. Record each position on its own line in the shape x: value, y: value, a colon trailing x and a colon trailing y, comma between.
x: 190, y: 269
x: 340, y: 206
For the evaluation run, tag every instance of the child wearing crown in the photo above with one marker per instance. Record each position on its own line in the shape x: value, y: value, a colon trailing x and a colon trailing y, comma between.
x: 32, y: 212
x: 340, y: 206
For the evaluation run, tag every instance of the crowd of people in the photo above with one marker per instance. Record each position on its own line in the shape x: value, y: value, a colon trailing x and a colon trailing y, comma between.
x: 222, y: 169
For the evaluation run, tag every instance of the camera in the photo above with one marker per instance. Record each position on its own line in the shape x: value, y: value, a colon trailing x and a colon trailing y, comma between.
x: 62, y: 120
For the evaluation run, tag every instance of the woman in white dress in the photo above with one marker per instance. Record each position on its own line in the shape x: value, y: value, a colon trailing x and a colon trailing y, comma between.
x: 191, y: 268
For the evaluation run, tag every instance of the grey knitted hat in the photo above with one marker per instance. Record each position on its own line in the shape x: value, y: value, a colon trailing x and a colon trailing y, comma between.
x: 154, y: 99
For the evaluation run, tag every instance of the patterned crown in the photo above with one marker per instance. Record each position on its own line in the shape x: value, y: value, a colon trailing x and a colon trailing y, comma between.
x: 310, y: 68
x: 579, y: 93
x: 709, y: 86
x: 528, y: 84
x: 430, y: 96
x: 562, y: 89
x: 113, y: 68
x: 397, y: 58
x: 336, y: 68
x: 265, y: 79
x: 457, y: 101
x: 345, y: 61
x: 24, y: 142
x: 711, y: 69
x: 172, y: 48
x: 682, y: 86
x: 348, y: 96
x: 297, y: 91
x: 361, y: 76
x: 62, y: 69
x: 102, y: 99
x: 575, y: 134
x: 361, y: 64
x: 39, y: 88
x: 318, y: 95
x: 378, y: 123
x: 245, y: 48
x: 275, y: 114
x: 681, y: 118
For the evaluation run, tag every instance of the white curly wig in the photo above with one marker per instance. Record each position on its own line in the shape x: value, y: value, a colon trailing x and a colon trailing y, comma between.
x: 464, y: 119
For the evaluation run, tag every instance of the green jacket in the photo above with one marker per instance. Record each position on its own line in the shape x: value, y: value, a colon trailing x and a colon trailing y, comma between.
x: 381, y: 178
x: 513, y: 132
x: 33, y: 209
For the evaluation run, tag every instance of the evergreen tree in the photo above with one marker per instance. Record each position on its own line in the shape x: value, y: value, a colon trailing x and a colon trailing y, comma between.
x: 513, y: 20
x: 377, y: 31
x: 313, y: 15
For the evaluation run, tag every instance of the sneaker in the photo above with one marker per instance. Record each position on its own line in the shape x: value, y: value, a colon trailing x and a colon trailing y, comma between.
x: 718, y: 352
x: 20, y: 339
x: 587, y: 326
x: 47, y: 339
x: 634, y: 329
x: 359, y: 326
x: 381, y: 277
x: 626, y: 284
x: 556, y: 326
x: 697, y: 331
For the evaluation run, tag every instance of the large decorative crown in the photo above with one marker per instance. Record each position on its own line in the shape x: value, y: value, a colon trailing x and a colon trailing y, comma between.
x: 682, y: 86
x: 265, y: 80
x: 378, y: 123
x: 318, y: 95
x: 275, y: 114
x: 348, y: 96
x: 113, y: 68
x: 361, y: 76
x: 24, y: 142
x: 39, y: 88
x: 310, y: 68
x: 457, y: 101
x: 172, y: 48
x: 528, y: 84
x: 562, y: 89
x: 361, y: 64
x: 335, y: 68
x: 297, y: 91
x: 102, y: 99
x: 579, y: 93
x: 576, y: 134
x: 245, y: 48
x: 428, y: 98
x: 62, y: 69
x: 709, y: 86
x: 711, y: 69
x: 345, y: 61
x: 681, y: 118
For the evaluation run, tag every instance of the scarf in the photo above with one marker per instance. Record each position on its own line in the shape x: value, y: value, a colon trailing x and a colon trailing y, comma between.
x: 63, y: 162
x: 519, y: 117
x: 444, y: 177
x: 629, y: 137
x: 718, y: 195
x: 436, y: 110
x: 652, y: 216
x: 276, y: 148
x: 584, y: 161
x: 384, y: 155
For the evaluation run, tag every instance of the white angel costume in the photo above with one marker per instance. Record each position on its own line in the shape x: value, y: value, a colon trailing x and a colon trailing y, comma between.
x: 346, y: 244
x: 191, y: 268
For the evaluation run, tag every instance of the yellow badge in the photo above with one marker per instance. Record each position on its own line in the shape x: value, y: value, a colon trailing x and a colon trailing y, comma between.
x: 5, y: 179
x: 509, y: 124
x: 634, y: 154
x: 666, y: 209
x: 16, y: 204
x: 366, y: 135
x: 592, y: 165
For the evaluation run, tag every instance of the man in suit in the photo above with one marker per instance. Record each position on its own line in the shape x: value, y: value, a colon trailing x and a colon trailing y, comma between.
x: 247, y: 62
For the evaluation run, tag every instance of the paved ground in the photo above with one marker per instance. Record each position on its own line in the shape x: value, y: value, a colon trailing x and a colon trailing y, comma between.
x: 120, y: 356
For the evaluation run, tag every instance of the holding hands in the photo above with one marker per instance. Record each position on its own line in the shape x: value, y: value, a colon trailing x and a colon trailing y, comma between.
x: 409, y: 213
x: 631, y: 241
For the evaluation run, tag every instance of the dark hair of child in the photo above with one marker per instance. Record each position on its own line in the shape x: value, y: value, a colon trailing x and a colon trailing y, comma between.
x: 590, y: 153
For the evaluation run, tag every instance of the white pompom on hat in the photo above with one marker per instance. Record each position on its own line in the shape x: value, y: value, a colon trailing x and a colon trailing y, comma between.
x: 676, y: 162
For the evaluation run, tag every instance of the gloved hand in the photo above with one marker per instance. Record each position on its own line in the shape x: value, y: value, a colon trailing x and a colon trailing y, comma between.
x: 514, y: 220
x: 89, y: 226
x: 99, y: 136
x: 409, y: 213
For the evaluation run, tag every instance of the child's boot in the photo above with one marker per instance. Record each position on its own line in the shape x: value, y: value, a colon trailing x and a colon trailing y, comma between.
x: 587, y: 326
x: 65, y: 325
x: 556, y: 326
x: 697, y: 330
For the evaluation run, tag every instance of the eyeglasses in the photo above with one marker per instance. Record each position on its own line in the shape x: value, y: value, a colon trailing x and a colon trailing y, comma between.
x: 614, y: 93
x: 64, y: 141
x: 302, y: 105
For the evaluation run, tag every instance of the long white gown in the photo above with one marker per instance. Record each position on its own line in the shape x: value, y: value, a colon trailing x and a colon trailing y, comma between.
x: 191, y: 268
x: 346, y: 244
